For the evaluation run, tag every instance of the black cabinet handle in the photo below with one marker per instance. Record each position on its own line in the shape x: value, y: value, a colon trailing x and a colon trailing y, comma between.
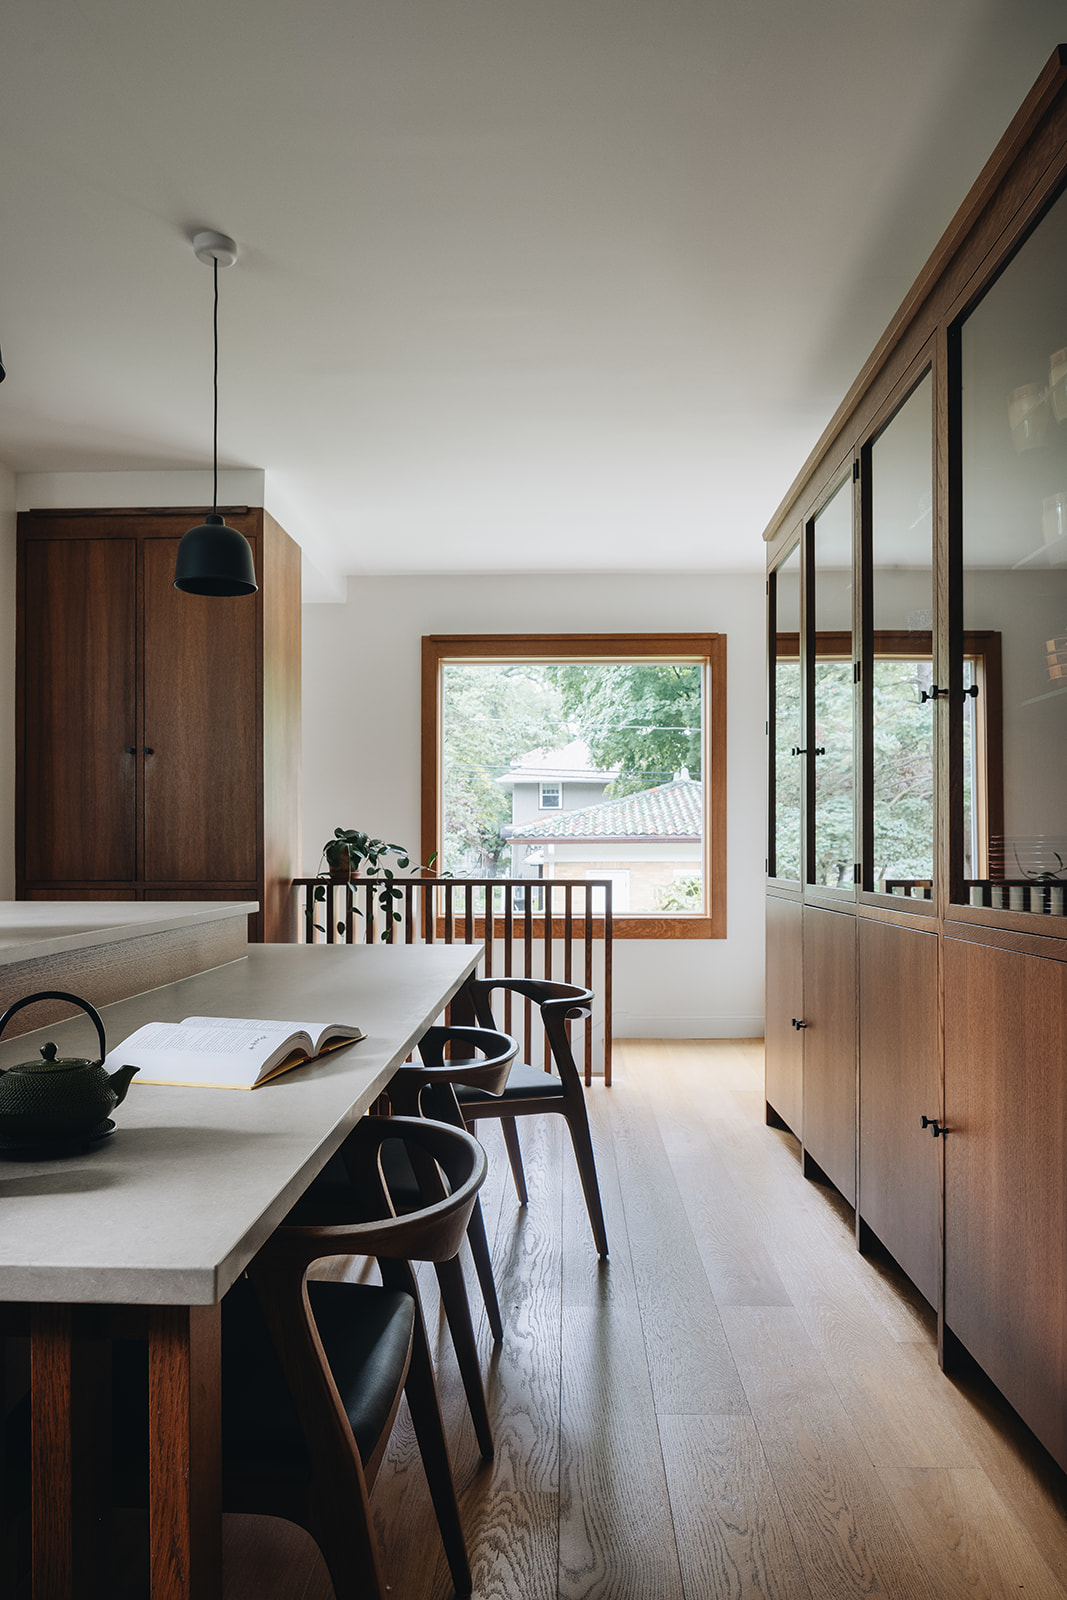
x: 934, y: 1126
x: 972, y: 692
x: 131, y: 749
x: 148, y: 751
x: 802, y: 750
x: 797, y: 1023
x: 931, y: 694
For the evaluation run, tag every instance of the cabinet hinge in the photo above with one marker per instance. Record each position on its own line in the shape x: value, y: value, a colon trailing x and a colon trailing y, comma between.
x: 855, y: 472
x: 857, y: 671
x: 858, y: 876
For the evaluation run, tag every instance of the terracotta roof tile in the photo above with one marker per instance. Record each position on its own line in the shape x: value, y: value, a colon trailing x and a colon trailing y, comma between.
x: 670, y: 811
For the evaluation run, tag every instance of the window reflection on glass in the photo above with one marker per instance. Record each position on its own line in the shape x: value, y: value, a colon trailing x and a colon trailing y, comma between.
x: 788, y: 767
x: 1014, y: 469
x: 903, y: 599
x: 830, y: 741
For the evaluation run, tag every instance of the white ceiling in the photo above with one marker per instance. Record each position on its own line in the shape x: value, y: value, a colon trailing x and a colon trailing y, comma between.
x: 524, y: 285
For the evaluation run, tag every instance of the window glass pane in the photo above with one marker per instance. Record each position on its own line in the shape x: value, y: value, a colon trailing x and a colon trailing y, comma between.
x: 788, y: 766
x: 571, y: 770
x: 1014, y: 466
x: 903, y: 606
x: 830, y: 742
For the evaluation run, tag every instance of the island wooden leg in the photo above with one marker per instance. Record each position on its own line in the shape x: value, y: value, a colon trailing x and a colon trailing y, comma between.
x: 69, y: 1446
x: 184, y: 1483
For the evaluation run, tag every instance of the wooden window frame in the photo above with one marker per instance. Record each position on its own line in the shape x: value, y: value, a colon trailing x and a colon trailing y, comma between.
x: 709, y: 649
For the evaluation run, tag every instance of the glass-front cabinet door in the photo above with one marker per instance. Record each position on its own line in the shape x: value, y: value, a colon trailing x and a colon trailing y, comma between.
x: 898, y: 659
x: 1009, y: 668
x: 831, y: 697
x: 786, y: 823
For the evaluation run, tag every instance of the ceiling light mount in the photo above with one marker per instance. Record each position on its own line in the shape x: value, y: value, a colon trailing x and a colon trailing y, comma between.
x: 212, y: 558
x: 209, y: 246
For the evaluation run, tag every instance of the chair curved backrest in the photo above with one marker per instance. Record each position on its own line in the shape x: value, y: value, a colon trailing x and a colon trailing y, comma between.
x: 432, y: 1233
x: 558, y: 1002
x: 498, y: 1051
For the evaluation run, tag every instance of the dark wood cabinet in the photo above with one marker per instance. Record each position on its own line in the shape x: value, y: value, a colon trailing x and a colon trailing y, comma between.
x: 158, y: 732
x: 830, y: 1046
x: 1006, y: 1174
x: 899, y: 1084
x: 785, y: 1006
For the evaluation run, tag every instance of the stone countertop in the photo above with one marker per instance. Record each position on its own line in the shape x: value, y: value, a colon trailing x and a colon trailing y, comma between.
x: 35, y: 928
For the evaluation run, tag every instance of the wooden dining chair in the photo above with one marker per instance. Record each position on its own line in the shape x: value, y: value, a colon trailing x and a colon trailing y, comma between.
x: 531, y: 1092
x: 313, y: 1371
x: 426, y: 1087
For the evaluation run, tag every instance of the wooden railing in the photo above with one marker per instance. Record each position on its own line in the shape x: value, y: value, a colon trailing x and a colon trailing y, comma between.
x: 544, y: 928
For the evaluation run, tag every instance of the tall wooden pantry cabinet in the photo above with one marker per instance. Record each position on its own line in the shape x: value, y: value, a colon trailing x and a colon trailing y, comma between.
x: 917, y: 846
x: 158, y: 733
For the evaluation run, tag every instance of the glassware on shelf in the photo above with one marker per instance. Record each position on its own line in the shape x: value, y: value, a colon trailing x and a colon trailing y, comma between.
x: 1028, y: 416
x: 1057, y: 384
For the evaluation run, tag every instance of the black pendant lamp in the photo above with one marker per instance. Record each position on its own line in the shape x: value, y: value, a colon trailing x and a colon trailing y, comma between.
x: 214, y: 559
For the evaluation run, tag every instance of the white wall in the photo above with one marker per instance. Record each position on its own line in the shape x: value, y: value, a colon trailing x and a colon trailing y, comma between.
x: 361, y: 762
x: 7, y: 684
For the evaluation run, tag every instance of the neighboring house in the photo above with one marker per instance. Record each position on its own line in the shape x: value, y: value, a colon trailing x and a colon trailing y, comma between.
x: 544, y: 783
x: 646, y: 843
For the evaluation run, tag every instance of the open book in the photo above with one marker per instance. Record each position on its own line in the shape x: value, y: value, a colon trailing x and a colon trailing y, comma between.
x: 225, y: 1052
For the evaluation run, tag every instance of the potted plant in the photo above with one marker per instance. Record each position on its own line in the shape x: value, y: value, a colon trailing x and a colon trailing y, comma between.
x: 351, y: 853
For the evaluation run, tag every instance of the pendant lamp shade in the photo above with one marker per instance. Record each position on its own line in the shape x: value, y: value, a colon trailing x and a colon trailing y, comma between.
x: 212, y: 558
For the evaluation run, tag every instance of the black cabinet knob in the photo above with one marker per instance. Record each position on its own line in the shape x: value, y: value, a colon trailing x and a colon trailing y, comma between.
x: 934, y: 1126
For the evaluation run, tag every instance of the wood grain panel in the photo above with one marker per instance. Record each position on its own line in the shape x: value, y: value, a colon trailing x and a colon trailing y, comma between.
x: 78, y: 786
x: 830, y: 1069
x: 900, y: 1047
x: 733, y: 1533
x: 1006, y: 1175
x: 203, y: 782
x: 785, y: 1000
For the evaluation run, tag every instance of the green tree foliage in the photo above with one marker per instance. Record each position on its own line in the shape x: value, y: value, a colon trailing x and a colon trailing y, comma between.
x: 642, y: 717
x: 903, y: 772
x: 493, y: 712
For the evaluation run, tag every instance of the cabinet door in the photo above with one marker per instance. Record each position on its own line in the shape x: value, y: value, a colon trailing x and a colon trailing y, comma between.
x: 785, y: 996
x: 830, y: 1045
x: 1006, y: 1175
x: 899, y: 1084
x: 202, y: 779
x: 79, y: 772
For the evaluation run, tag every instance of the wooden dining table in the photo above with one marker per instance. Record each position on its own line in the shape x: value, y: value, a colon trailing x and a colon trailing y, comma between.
x: 147, y: 1230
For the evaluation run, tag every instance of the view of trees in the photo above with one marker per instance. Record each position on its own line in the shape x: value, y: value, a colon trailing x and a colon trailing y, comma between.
x: 642, y: 717
x: 903, y: 771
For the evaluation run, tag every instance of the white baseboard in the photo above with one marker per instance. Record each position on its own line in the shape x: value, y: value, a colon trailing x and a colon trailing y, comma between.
x: 627, y: 1025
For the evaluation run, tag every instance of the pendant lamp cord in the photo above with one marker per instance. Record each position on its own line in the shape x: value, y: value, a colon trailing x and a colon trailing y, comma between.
x: 215, y: 430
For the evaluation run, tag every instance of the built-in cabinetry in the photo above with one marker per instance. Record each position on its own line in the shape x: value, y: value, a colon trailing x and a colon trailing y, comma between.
x: 917, y: 846
x: 157, y: 732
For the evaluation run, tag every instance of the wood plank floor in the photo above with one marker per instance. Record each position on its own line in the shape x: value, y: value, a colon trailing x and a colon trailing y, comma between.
x: 736, y: 1407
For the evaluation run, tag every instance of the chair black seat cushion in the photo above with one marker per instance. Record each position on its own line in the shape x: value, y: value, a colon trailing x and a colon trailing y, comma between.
x: 366, y: 1333
x: 524, y: 1083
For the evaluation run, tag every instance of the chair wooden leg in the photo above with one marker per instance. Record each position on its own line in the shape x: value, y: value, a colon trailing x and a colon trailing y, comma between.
x: 578, y: 1123
x: 429, y: 1430
x: 458, y: 1312
x: 511, y: 1145
x: 483, y: 1265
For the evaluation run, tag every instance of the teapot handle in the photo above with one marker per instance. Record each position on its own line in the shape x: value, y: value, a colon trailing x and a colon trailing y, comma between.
x: 59, y: 994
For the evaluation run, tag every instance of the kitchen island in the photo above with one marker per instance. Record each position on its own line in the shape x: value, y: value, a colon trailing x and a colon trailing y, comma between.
x: 107, y: 950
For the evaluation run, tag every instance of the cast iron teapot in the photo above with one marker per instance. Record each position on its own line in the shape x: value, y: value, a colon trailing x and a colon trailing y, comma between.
x: 58, y: 1097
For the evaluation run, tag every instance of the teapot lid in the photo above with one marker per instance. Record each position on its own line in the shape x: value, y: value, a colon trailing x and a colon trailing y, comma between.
x: 50, y: 1062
